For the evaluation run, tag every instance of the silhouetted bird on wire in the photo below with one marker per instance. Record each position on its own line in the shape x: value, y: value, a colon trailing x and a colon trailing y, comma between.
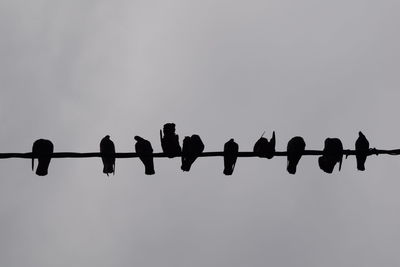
x: 107, y: 150
x: 192, y: 147
x: 145, y: 152
x: 295, y: 150
x: 231, y: 149
x: 264, y: 148
x: 362, y: 150
x: 170, y: 141
x: 42, y: 149
x: 332, y: 154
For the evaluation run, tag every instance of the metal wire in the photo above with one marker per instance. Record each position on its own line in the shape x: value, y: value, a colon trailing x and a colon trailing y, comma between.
x: 30, y: 155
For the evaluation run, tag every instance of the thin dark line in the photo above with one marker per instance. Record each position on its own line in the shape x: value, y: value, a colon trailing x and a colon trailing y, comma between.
x: 346, y: 152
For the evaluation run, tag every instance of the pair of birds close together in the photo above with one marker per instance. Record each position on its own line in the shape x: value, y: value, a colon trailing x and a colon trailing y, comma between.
x: 142, y: 147
x: 333, y: 153
x: 192, y: 146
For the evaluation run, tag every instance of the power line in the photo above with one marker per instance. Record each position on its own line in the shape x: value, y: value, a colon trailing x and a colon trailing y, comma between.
x: 241, y: 154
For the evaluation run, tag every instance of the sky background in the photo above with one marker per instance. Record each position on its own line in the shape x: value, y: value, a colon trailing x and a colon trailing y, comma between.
x: 74, y: 71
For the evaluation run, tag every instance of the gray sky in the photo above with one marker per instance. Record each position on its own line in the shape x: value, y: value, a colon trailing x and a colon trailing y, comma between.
x: 74, y: 71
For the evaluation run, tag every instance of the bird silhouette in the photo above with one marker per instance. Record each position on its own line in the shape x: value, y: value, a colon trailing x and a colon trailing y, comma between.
x: 192, y: 147
x: 42, y: 149
x: 264, y: 148
x: 332, y: 154
x: 145, y: 152
x: 231, y: 149
x: 107, y: 150
x: 362, y: 150
x: 295, y: 149
x: 170, y: 141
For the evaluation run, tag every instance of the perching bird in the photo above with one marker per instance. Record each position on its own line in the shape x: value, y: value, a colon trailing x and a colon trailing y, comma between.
x: 186, y: 151
x: 170, y: 141
x: 145, y: 151
x: 264, y: 148
x: 231, y: 149
x: 107, y: 149
x: 332, y: 154
x: 42, y: 150
x: 192, y: 147
x: 362, y: 149
x: 295, y: 149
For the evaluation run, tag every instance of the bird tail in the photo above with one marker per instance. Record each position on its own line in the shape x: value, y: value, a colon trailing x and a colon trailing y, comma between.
x: 148, y: 165
x: 292, y: 165
x: 41, y: 171
x: 149, y: 170
x: 228, y: 170
x: 361, y: 163
x: 360, y: 166
x: 108, y: 168
x: 291, y: 168
x: 273, y: 139
x: 186, y: 165
x: 43, y: 166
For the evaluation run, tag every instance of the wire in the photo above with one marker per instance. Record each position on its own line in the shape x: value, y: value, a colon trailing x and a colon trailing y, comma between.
x: 30, y: 155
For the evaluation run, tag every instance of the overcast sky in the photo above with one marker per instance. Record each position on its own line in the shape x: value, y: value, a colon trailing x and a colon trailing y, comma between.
x: 73, y: 71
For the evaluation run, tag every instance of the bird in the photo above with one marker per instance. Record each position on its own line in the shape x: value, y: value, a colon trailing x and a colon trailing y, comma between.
x: 332, y: 154
x: 231, y: 149
x: 107, y: 150
x: 145, y: 152
x: 295, y: 149
x: 362, y: 149
x: 170, y: 141
x: 192, y: 147
x: 264, y: 148
x: 186, y: 151
x: 42, y: 149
